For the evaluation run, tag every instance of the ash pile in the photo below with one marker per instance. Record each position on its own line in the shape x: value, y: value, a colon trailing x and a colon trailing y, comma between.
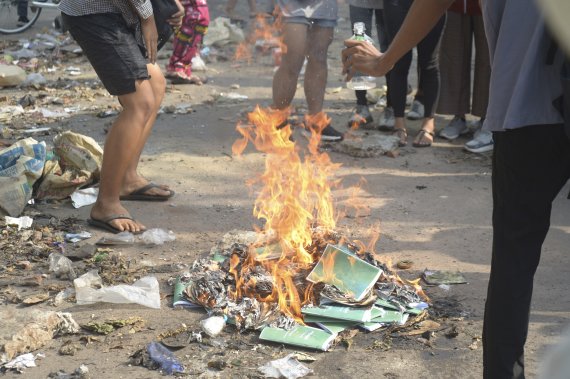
x: 341, y: 287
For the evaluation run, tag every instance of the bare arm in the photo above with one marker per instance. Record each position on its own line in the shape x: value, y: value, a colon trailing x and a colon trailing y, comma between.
x: 363, y: 57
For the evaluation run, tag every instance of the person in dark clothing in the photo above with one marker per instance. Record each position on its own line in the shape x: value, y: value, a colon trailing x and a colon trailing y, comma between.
x: 531, y: 158
x: 428, y: 47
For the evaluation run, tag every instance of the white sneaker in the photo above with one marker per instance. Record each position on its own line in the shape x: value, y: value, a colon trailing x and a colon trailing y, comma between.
x: 482, y: 142
x: 416, y: 112
x: 387, y: 120
x: 454, y: 129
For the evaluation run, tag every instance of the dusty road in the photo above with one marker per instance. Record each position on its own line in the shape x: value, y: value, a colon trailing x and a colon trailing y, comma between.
x: 433, y: 206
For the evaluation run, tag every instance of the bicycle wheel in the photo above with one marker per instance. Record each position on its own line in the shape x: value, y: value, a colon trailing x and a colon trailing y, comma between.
x: 9, y: 18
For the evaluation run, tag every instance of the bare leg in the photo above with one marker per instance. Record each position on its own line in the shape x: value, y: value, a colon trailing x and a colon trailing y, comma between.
x: 121, y: 147
x: 285, y: 78
x: 133, y: 180
x: 316, y: 71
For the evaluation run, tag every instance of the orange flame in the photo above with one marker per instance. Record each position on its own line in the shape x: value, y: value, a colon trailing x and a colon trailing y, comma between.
x: 295, y: 197
x: 265, y: 36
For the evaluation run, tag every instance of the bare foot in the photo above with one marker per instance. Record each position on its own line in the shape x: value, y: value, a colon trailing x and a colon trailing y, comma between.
x: 101, y: 212
x: 424, y: 138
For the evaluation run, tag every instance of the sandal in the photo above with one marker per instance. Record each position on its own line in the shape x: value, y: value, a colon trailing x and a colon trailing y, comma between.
x: 421, y: 134
x: 402, y: 134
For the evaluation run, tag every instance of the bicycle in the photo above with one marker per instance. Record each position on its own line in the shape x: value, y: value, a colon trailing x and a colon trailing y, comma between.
x: 9, y: 14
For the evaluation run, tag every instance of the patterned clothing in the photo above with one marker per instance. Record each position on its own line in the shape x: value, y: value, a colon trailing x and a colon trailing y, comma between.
x: 189, y: 37
x: 131, y: 10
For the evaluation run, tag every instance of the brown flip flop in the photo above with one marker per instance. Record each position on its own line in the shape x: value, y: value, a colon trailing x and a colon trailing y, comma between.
x: 105, y: 223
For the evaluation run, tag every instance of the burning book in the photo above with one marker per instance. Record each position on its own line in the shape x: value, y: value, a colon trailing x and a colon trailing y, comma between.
x: 297, y: 265
x: 343, y: 269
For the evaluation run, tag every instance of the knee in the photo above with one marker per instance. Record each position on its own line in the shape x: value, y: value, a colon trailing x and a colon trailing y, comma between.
x: 318, y: 58
x: 141, y: 107
x: 292, y: 66
x: 158, y: 89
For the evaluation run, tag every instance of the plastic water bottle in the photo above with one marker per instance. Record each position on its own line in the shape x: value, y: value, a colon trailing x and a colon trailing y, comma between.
x: 164, y: 358
x: 361, y: 81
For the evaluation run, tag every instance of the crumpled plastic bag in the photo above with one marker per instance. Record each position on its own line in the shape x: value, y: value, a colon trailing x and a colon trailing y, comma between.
x: 21, y: 165
x: 89, y: 290
x: 157, y: 236
x: 11, y: 75
x: 78, y: 151
x: 221, y: 31
x: 79, y: 165
x: 288, y: 367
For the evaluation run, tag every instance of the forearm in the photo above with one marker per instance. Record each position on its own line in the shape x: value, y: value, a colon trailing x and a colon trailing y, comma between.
x: 421, y: 18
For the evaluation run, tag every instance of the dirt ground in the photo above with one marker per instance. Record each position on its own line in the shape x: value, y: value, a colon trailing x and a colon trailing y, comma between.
x: 433, y: 206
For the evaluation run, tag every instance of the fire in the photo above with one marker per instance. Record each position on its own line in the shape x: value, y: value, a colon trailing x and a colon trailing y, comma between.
x: 295, y: 197
x: 265, y: 36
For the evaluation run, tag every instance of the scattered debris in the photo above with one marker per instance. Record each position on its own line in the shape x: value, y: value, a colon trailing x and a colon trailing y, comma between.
x: 84, y: 196
x: 109, y: 326
x: 89, y: 289
x: 61, y: 266
x: 11, y: 76
x: 443, y: 277
x: 157, y: 236
x: 288, y: 367
x: 22, y: 362
x: 405, y: 264
x: 21, y: 165
x: 123, y: 238
x: 36, y: 334
x: 23, y: 222
x: 213, y: 326
x: 164, y: 359
x: 82, y: 372
x: 361, y: 144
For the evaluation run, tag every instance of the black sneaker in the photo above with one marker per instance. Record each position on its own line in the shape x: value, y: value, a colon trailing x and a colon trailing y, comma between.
x: 331, y: 134
x: 22, y: 21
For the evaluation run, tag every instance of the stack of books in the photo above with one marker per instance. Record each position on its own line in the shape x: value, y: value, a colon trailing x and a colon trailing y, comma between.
x: 354, y: 277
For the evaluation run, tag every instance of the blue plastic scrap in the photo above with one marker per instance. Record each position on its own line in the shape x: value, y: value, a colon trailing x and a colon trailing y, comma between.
x: 168, y: 363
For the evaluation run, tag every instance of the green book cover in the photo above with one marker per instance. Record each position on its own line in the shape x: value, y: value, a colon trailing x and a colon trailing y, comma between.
x: 329, y: 324
x: 392, y: 317
x: 340, y: 312
x: 387, y: 305
x: 345, y: 271
x: 178, y: 298
x: 414, y: 311
x: 389, y: 317
x: 304, y: 336
x: 268, y: 252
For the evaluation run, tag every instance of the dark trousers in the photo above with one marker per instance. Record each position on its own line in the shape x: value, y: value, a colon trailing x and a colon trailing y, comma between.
x: 365, y: 15
x: 395, y: 12
x: 530, y: 167
x: 23, y: 8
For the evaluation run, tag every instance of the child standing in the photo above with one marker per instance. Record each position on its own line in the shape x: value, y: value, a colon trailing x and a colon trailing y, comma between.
x: 187, y: 40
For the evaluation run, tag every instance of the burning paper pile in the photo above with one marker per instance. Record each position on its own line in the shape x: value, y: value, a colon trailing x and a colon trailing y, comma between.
x: 297, y: 270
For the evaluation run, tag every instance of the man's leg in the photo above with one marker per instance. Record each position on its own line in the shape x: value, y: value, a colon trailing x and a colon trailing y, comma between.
x: 132, y: 179
x: 286, y: 76
x: 316, y: 71
x: 22, y: 9
x: 123, y: 143
x: 530, y: 166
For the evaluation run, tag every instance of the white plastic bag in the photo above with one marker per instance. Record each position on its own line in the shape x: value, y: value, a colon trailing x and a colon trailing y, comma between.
x: 144, y: 291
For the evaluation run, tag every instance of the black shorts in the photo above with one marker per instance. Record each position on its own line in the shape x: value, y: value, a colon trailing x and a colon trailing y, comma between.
x: 111, y: 48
